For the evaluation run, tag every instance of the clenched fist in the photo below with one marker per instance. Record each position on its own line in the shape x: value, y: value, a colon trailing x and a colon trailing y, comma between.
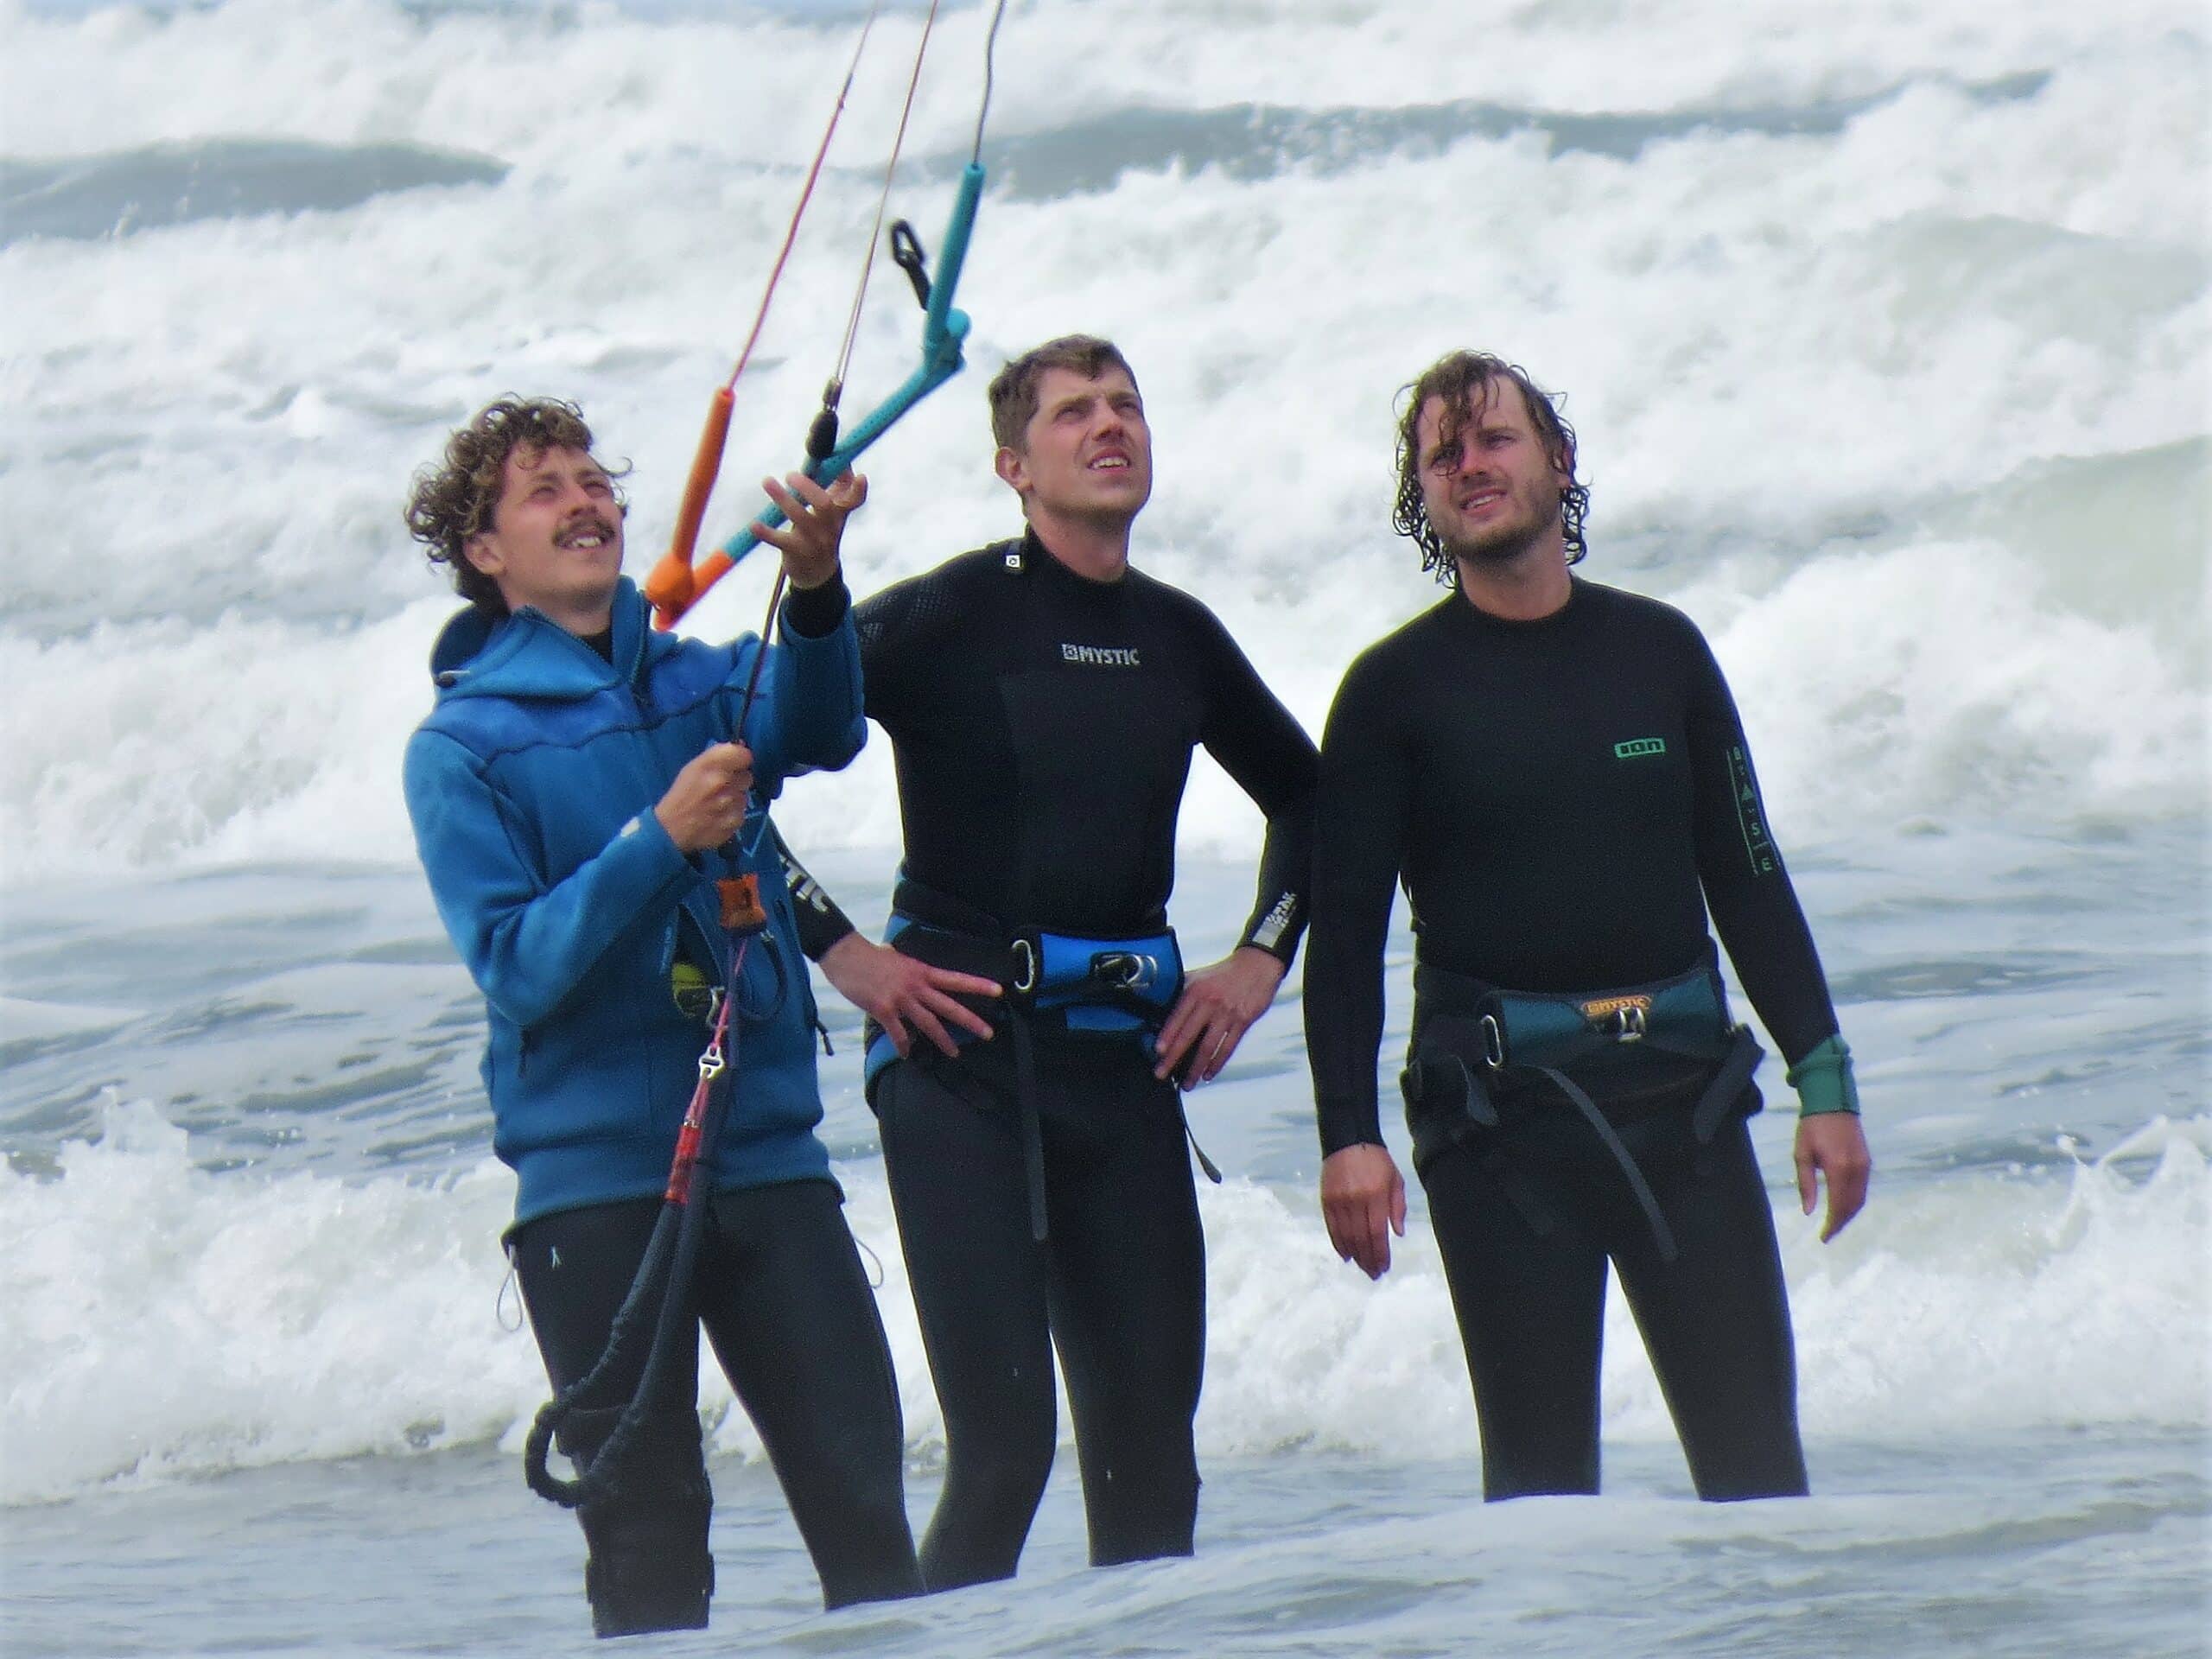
x: 706, y: 804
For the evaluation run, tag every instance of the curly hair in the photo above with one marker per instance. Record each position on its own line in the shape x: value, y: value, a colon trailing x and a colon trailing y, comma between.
x: 1466, y: 381
x: 1013, y: 388
x: 454, y: 503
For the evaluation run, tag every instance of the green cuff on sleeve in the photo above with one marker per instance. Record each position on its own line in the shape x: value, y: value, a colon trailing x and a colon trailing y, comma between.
x: 1823, y: 1080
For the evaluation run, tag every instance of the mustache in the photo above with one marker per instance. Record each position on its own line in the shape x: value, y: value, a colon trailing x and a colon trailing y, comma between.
x: 584, y: 525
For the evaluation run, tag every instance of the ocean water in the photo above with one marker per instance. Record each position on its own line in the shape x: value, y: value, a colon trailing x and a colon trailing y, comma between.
x: 1885, y: 331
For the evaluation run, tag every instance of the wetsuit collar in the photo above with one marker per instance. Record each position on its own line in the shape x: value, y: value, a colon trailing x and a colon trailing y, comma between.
x: 1038, y: 556
x: 1489, y: 621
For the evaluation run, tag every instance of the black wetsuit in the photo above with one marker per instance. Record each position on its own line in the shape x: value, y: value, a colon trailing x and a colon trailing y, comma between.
x: 781, y: 1292
x: 1564, y: 799
x: 1043, y: 725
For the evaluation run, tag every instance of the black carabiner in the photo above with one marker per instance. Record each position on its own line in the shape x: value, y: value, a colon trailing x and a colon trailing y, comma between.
x: 906, y: 254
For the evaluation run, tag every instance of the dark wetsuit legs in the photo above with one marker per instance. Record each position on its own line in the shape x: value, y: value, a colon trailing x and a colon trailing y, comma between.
x: 1120, y: 1287
x: 1526, y: 1220
x: 794, y: 1324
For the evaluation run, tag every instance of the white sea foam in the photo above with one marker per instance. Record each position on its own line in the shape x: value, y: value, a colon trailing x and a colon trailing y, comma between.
x: 1823, y: 378
x: 158, y: 1320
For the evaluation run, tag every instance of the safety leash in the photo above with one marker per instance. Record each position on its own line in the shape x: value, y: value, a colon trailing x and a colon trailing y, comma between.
x: 670, y: 1254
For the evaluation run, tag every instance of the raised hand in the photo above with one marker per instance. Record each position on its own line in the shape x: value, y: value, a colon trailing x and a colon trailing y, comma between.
x: 809, y: 542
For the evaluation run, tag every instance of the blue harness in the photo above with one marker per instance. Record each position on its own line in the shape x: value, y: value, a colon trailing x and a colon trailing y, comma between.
x: 1101, y: 985
x: 1124, y: 987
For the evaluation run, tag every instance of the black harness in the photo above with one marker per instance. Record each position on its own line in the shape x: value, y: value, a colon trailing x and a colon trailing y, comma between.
x: 1471, y: 1038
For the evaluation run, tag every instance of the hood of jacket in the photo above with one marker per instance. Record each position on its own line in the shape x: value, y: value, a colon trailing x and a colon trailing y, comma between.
x: 527, y: 654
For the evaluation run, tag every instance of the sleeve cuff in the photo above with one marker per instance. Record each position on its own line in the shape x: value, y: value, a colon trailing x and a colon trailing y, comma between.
x: 1279, y: 929
x: 1349, y: 1124
x: 815, y: 612
x: 1823, y: 1079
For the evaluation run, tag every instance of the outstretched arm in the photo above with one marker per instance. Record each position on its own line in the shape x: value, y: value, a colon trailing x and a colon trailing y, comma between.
x: 807, y: 711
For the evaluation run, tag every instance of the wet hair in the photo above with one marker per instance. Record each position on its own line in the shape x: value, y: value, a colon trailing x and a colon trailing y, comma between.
x: 1466, y: 381
x: 1013, y: 388
x: 453, y: 502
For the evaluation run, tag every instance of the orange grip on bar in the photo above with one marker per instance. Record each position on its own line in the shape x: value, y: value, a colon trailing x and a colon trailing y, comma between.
x: 671, y: 591
x: 670, y: 587
x: 710, y: 570
x: 705, y: 466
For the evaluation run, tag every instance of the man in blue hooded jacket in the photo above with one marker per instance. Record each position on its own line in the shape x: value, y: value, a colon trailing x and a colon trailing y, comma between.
x: 577, y: 792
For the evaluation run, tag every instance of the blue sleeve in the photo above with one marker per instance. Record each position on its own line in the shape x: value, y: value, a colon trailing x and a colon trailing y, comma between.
x: 528, y: 945
x: 808, y: 714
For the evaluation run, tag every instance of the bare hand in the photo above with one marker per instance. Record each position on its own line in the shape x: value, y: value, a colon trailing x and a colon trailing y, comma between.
x: 895, y: 990
x: 705, y: 806
x: 809, y: 542
x: 1832, y: 1144
x: 1364, y: 1202
x: 1217, y: 1006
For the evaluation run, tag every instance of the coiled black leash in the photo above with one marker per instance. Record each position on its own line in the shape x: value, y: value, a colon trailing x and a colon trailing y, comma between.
x: 670, y: 1254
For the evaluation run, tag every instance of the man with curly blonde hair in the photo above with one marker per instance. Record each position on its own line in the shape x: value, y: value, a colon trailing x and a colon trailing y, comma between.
x: 578, y: 792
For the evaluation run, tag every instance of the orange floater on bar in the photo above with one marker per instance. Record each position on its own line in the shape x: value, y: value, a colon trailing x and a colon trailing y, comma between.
x: 671, y: 586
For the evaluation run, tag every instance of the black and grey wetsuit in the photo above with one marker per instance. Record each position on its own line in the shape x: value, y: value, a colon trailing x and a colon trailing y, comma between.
x: 1043, y: 725
x: 1563, y: 800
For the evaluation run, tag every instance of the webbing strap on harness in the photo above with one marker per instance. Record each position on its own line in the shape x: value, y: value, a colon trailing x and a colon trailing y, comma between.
x: 1542, y: 1033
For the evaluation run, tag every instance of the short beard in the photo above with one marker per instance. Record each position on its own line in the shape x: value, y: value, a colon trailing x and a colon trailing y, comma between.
x: 1491, y: 552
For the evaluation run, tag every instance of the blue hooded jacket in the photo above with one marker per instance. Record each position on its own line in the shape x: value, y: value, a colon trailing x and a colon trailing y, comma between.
x: 531, y: 786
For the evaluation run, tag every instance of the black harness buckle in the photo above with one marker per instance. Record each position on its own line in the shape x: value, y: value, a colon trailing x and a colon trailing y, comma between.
x: 1126, y: 969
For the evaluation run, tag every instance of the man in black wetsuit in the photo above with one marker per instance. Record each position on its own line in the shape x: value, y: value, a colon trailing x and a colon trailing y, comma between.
x: 1043, y: 699
x: 1556, y: 771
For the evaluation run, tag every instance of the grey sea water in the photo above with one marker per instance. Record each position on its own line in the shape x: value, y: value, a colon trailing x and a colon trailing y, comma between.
x: 1885, y: 333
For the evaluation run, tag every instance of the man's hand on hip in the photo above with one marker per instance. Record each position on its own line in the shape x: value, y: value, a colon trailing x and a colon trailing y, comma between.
x: 1217, y: 1006
x: 896, y: 992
